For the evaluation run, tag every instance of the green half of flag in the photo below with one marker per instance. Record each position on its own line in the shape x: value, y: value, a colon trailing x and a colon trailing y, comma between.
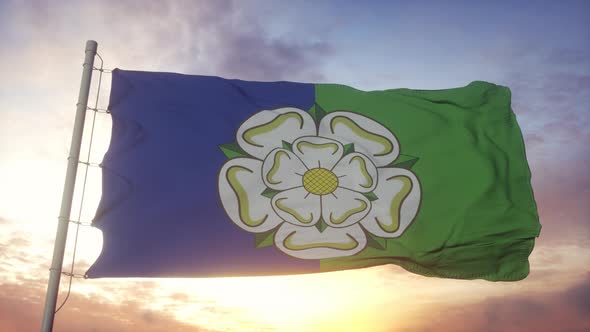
x: 477, y: 217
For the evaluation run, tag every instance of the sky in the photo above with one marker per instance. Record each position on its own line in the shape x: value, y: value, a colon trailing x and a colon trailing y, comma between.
x: 540, y: 49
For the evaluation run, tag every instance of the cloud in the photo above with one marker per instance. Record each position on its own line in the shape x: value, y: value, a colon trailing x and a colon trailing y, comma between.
x: 525, y: 311
x: 14, y: 245
x: 574, y: 57
x: 250, y: 55
x: 550, y: 90
x: 579, y: 296
x: 561, y: 189
x: 551, y: 87
x: 21, y: 308
x: 20, y: 241
x: 219, y: 37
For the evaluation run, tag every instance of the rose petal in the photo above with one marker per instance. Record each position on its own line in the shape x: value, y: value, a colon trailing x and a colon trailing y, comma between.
x: 344, y: 207
x: 297, y: 206
x: 398, y: 194
x: 356, y: 172
x: 368, y: 136
x: 266, y: 130
x: 317, y: 151
x: 310, y: 243
x: 282, y: 170
x: 240, y: 185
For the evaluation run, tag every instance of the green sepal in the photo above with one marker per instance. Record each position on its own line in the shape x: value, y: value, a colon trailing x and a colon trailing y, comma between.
x: 371, y: 196
x: 232, y: 150
x: 317, y: 113
x: 270, y: 193
x: 348, y: 148
x: 321, y: 225
x: 312, y: 112
x: 376, y: 242
x: 265, y: 239
x: 287, y: 146
x: 404, y: 161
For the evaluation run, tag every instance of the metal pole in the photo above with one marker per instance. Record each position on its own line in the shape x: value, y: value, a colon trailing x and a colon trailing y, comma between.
x: 68, y: 193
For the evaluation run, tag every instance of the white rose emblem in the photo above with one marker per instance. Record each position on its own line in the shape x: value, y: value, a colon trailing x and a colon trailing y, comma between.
x: 320, y: 188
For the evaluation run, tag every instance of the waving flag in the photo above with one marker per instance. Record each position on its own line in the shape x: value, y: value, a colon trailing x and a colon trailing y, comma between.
x: 208, y: 177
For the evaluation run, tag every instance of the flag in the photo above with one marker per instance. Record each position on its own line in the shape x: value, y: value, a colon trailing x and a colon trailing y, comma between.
x: 209, y: 177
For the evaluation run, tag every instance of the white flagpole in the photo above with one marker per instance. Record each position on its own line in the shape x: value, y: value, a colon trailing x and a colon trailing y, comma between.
x: 68, y: 193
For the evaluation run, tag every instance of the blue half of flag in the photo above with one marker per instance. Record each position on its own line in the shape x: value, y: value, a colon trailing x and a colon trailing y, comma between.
x: 160, y: 213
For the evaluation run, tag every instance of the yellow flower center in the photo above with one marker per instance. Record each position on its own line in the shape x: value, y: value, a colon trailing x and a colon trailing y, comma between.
x: 320, y: 181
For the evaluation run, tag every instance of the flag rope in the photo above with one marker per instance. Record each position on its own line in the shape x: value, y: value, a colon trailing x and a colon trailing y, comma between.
x: 98, y: 110
x: 88, y: 164
x: 81, y: 224
x: 102, y: 70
